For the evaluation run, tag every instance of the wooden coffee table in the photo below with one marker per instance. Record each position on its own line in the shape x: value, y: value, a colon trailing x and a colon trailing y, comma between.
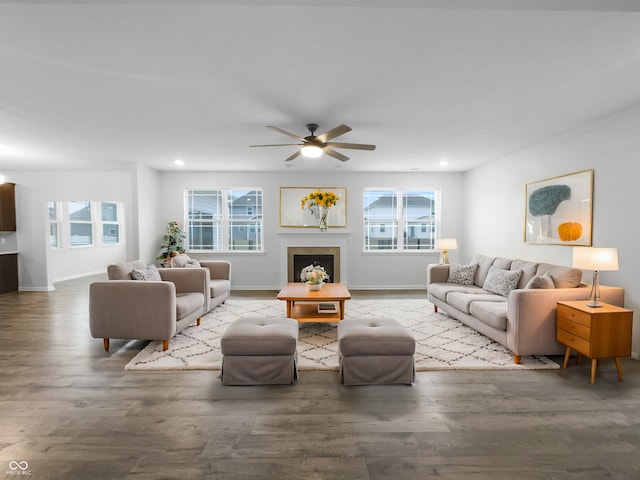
x: 306, y: 310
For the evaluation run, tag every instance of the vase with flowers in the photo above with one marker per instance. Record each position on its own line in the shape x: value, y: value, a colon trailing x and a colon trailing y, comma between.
x: 319, y: 203
x: 314, y: 276
x: 173, y: 242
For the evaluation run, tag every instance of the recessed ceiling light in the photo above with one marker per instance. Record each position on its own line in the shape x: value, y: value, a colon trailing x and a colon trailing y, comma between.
x: 179, y: 162
x: 444, y: 163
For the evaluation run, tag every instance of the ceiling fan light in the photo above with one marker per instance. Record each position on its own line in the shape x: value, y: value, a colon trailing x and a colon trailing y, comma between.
x: 311, y: 151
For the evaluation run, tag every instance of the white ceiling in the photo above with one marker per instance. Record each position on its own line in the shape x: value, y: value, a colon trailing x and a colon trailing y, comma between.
x: 92, y: 86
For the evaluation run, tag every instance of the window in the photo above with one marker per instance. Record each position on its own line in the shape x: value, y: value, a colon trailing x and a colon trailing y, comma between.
x: 224, y: 219
x: 80, y: 223
x: 54, y: 225
x: 110, y: 226
x: 400, y: 220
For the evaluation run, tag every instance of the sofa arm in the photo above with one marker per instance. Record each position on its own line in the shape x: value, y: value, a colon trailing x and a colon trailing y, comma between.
x: 132, y: 309
x: 220, y: 269
x: 189, y: 280
x: 531, y: 316
x: 437, y: 273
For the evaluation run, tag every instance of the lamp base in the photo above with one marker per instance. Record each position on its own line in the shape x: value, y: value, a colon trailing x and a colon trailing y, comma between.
x: 444, y: 259
x: 594, y: 305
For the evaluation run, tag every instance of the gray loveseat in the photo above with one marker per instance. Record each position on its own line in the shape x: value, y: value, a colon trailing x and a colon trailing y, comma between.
x: 219, y: 276
x: 124, y: 308
x: 517, y: 306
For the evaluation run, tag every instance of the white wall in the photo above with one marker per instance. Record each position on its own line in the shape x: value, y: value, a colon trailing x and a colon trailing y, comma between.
x: 365, y: 270
x: 38, y: 265
x: 495, y: 200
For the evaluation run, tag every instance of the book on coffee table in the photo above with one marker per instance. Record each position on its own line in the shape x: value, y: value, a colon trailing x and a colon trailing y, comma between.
x: 327, y: 308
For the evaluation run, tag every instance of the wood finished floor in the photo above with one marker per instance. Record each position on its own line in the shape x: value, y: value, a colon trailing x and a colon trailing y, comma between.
x: 70, y: 411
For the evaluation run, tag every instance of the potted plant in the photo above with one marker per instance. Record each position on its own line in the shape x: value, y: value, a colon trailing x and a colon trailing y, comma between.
x: 173, y: 243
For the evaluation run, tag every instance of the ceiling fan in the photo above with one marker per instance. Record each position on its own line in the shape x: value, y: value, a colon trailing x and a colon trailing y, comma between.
x: 315, y: 145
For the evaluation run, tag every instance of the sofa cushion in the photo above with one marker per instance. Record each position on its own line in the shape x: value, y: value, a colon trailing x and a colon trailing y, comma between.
x: 501, y: 281
x: 484, y: 263
x: 503, y: 263
x: 493, y: 314
x: 462, y: 274
x: 541, y: 281
x: 187, y: 303
x: 149, y: 274
x: 122, y: 270
x: 463, y: 301
x: 528, y: 269
x: 563, y: 277
x: 442, y: 290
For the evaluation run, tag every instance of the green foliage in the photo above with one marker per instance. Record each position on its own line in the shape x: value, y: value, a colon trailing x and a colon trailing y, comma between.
x: 173, y: 242
x: 545, y: 200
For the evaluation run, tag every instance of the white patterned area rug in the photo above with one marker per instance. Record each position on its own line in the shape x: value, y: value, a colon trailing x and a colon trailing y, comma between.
x: 442, y: 343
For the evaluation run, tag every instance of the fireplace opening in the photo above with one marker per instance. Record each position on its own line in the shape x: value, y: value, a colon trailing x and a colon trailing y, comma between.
x: 300, y: 257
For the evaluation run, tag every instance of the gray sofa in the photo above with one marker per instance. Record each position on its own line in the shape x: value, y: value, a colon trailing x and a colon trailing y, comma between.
x: 520, y: 316
x: 124, y: 308
x: 219, y: 276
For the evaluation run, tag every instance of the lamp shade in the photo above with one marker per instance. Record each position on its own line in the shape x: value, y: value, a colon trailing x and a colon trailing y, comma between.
x: 446, y: 244
x: 590, y: 258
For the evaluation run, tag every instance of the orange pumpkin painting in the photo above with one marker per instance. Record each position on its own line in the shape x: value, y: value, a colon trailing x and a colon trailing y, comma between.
x: 569, y: 231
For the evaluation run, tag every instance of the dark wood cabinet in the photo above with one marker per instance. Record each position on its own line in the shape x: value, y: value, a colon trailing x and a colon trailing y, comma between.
x: 8, y: 207
x: 8, y: 272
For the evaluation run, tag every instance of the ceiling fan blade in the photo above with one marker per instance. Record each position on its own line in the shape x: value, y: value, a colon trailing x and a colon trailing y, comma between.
x: 333, y: 133
x: 334, y: 154
x: 277, y: 145
x: 292, y: 135
x: 356, y: 146
x: 294, y: 156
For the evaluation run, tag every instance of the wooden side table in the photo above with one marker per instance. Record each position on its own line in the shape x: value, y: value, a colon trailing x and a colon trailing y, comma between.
x: 596, y: 333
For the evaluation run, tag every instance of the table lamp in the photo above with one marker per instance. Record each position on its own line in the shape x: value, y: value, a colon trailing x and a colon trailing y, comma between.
x: 446, y: 244
x: 596, y: 259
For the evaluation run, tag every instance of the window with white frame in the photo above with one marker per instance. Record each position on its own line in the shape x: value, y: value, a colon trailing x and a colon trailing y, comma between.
x: 400, y: 220
x: 224, y: 219
x: 110, y: 225
x: 84, y: 224
x: 54, y: 225
x: 80, y: 224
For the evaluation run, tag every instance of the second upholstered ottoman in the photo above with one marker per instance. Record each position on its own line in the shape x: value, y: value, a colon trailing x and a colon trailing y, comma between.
x: 375, y: 351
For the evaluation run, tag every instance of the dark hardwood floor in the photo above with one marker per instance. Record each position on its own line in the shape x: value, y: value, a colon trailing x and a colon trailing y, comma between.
x: 70, y: 411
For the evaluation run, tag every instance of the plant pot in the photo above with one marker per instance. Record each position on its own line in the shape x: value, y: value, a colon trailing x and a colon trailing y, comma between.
x: 314, y: 286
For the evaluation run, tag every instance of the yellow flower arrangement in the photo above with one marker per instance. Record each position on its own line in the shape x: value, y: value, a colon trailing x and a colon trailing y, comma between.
x: 323, y: 199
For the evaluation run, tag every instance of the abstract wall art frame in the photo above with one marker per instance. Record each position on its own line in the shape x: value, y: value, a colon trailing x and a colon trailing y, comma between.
x: 559, y: 210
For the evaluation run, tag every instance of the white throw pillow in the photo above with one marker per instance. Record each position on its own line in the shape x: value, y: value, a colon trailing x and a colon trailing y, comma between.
x: 149, y: 274
x: 541, y: 281
x: 501, y: 281
x: 462, y: 274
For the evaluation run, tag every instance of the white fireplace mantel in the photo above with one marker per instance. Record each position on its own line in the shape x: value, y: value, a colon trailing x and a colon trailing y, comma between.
x: 314, y: 239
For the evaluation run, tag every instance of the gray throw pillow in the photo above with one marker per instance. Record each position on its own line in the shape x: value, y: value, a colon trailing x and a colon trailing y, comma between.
x: 462, y: 274
x: 149, y: 274
x: 501, y: 281
x: 541, y: 281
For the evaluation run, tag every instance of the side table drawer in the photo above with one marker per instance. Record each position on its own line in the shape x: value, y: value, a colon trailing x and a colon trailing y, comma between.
x: 578, y: 344
x: 577, y: 316
x: 574, y: 328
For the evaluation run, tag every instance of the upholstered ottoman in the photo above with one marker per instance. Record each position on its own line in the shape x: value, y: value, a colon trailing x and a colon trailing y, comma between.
x: 375, y: 351
x: 259, y: 351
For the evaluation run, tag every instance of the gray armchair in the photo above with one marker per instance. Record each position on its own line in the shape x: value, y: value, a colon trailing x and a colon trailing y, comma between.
x: 146, y: 310
x: 219, y: 276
